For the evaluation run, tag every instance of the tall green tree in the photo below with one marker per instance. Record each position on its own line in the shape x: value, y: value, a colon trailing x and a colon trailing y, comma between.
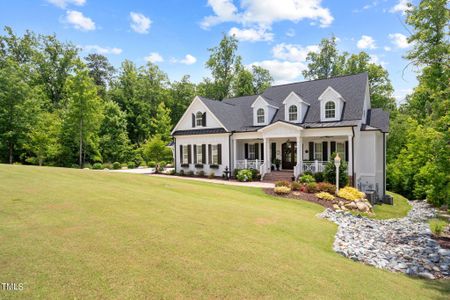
x: 181, y: 95
x: 19, y: 49
x: 84, y: 114
x: 101, y: 71
x: 262, y: 79
x: 113, y: 137
x: 243, y: 83
x: 19, y: 104
x: 325, y: 63
x: 223, y: 62
x: 161, y: 123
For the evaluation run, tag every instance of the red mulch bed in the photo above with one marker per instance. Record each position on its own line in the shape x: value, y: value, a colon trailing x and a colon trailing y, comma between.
x: 303, y: 196
x: 444, y: 241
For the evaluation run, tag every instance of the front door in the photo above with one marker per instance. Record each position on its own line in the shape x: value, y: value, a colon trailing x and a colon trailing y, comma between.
x: 288, y: 155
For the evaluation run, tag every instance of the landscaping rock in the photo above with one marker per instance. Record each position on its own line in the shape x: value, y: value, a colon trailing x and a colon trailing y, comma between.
x: 399, y: 245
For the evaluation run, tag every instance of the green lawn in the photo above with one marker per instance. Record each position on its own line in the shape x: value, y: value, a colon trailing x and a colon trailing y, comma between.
x: 400, y: 208
x: 69, y: 233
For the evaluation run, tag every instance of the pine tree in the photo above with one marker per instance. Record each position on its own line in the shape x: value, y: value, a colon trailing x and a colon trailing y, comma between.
x: 161, y: 123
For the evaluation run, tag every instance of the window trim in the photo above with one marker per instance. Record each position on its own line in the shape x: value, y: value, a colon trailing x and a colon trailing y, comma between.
x: 199, y: 154
x: 185, y: 154
x: 318, y: 153
x: 251, y: 154
x: 214, y: 154
x: 291, y: 113
x: 199, y: 117
x: 326, y: 110
x: 263, y: 116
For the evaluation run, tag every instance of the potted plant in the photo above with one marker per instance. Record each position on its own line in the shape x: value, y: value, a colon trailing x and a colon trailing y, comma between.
x: 277, y: 164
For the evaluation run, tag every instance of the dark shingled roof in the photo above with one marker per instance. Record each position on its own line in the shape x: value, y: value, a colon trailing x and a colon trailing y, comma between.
x: 378, y: 118
x: 236, y: 114
x: 200, y: 131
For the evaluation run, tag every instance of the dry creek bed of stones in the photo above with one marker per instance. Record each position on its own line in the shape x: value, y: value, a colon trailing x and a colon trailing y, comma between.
x: 399, y: 245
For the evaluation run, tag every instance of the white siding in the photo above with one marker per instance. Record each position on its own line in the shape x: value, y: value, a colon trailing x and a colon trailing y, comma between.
x: 197, y: 106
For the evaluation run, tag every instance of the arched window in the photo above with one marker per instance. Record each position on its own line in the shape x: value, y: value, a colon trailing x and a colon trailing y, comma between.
x: 199, y: 119
x: 330, y: 110
x: 293, y: 113
x: 260, y: 115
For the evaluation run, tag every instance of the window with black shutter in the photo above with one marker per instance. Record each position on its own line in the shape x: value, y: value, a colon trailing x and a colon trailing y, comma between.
x: 256, y: 151
x: 181, y: 154
x: 210, y: 154
x: 195, y: 154
x: 193, y: 120
x: 325, y: 151
x: 203, y: 153
x: 219, y: 154
x: 311, y: 150
x: 246, y: 151
x: 204, y: 119
x: 332, y: 147
x: 262, y: 151
x: 189, y: 154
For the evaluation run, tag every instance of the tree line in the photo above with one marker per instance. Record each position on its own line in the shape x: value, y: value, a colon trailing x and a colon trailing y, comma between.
x: 59, y: 109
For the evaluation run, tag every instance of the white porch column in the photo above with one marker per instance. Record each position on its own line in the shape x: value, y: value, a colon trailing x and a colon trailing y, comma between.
x: 350, y: 155
x: 234, y: 153
x: 266, y: 154
x: 299, y: 154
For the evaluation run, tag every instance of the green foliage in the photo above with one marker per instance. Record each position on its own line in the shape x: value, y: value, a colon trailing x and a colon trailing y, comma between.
x: 306, y: 178
x: 244, y: 175
x: 325, y: 196
x: 311, y: 187
x: 283, y: 183
x: 100, y: 70
x: 326, y: 187
x: 437, y: 226
x: 181, y: 94
x: 97, y: 166
x: 295, y: 186
x: 161, y: 124
x: 116, y: 165
x: 131, y: 165
x: 329, y: 174
x: 318, y: 177
x: 282, y: 190
x: 151, y: 164
x: 156, y: 150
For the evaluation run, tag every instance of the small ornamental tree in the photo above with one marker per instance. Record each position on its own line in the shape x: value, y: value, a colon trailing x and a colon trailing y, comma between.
x: 156, y: 150
x: 329, y: 174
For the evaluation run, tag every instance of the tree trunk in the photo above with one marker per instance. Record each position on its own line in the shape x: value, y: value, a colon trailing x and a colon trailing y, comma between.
x: 11, y: 150
x: 81, y: 144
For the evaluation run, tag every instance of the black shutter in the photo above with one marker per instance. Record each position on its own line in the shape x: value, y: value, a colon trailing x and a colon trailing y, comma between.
x: 219, y: 154
x: 311, y: 150
x: 273, y: 155
x: 189, y: 154
x: 195, y: 154
x: 209, y: 154
x: 333, y: 147
x: 193, y: 120
x: 181, y: 154
x: 256, y: 151
x: 204, y: 119
x: 246, y: 151
x: 203, y: 154
x: 346, y: 151
x: 262, y: 151
x: 325, y: 151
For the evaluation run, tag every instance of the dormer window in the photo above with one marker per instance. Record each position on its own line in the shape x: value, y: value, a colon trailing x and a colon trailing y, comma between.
x: 293, y: 115
x: 330, y: 110
x: 199, y: 119
x: 260, y: 115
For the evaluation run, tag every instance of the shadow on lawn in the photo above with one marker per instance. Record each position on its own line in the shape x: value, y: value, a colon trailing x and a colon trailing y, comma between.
x: 442, y: 286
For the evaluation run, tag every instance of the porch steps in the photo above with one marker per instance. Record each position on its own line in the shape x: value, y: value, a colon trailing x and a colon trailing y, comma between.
x: 278, y: 176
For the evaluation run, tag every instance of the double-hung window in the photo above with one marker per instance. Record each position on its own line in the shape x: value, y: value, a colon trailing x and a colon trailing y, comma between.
x: 214, y: 154
x: 340, y: 148
x: 199, y: 154
x: 251, y: 151
x: 330, y: 110
x: 260, y: 115
x: 185, y: 154
x: 318, y: 151
x: 199, y: 119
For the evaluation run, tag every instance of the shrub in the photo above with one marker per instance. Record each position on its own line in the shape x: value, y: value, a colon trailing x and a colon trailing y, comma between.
x: 318, y: 176
x: 182, y: 172
x: 162, y: 164
x: 325, y: 196
x: 306, y: 178
x: 131, y: 165
x: 326, y: 187
x: 311, y: 187
x: 281, y: 190
x: 87, y: 166
x: 235, y: 172
x: 244, y: 175
x: 156, y: 150
x: 308, y: 173
x: 211, y: 175
x: 97, y: 166
x: 75, y: 166
x: 350, y: 193
x: 329, y: 174
x: 255, y: 174
x: 190, y: 173
x: 437, y: 226
x: 295, y: 186
x: 201, y: 173
x: 152, y: 164
x: 282, y: 183
x: 138, y: 160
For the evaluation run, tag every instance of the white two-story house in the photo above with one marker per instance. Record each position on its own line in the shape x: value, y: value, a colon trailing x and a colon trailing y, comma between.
x: 300, y: 124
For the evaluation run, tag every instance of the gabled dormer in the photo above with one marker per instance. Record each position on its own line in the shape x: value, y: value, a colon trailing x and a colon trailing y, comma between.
x: 263, y: 111
x: 331, y: 105
x: 294, y: 108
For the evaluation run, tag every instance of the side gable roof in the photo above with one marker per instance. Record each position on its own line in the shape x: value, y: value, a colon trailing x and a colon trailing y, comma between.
x: 378, y: 118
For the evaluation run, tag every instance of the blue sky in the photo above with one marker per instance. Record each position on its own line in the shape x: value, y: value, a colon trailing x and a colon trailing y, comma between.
x: 275, y: 34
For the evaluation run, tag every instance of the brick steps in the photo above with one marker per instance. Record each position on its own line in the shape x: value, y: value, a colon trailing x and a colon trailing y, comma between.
x: 278, y: 176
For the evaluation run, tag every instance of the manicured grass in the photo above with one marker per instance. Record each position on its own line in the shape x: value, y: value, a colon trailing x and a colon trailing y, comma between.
x: 91, y: 234
x: 400, y: 208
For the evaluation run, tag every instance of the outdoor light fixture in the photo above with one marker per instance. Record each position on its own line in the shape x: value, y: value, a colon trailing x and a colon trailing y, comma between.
x: 337, y: 163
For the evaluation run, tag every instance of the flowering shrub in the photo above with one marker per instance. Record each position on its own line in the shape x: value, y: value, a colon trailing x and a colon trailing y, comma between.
x: 281, y: 190
x: 311, y: 187
x: 295, y: 186
x: 244, y: 175
x: 326, y: 187
x: 350, y: 193
x: 282, y: 183
x: 306, y: 178
x: 325, y: 196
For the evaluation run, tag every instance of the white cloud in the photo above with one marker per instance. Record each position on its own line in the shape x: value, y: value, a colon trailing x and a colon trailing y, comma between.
x: 282, y: 71
x: 154, y: 57
x: 139, y: 22
x: 65, y: 3
x: 387, y: 48
x: 264, y: 13
x: 79, y: 21
x: 400, y: 94
x: 290, y: 32
x: 399, y: 40
x: 401, y: 6
x: 251, y: 34
x: 291, y: 52
x: 366, y: 42
x: 187, y: 60
x: 102, y: 50
x: 375, y: 59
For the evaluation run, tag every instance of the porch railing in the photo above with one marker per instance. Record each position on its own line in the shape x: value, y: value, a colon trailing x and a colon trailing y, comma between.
x: 249, y: 164
x: 313, y: 166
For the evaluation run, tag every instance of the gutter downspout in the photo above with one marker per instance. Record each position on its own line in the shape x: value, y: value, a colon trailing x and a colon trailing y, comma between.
x: 229, y: 154
x: 353, y: 157
x: 175, y: 153
x: 384, y: 164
